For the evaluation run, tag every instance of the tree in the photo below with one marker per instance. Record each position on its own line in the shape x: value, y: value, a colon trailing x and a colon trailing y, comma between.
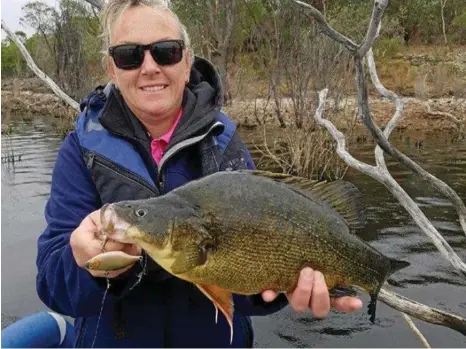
x: 380, y: 172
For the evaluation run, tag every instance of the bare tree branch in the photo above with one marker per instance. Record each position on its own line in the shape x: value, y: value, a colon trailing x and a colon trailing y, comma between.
x: 383, y: 142
x: 461, y: 210
x: 366, y: 117
x: 380, y: 173
x: 37, y: 71
x: 96, y: 3
x: 442, y: 13
x: 413, y: 327
x: 327, y: 29
x: 374, y: 26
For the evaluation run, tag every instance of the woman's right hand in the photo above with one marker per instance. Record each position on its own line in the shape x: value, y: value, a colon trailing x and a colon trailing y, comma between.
x: 86, y: 242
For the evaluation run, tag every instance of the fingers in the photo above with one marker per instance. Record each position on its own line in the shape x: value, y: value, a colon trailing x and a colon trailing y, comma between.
x: 134, y: 250
x: 300, y: 297
x: 269, y: 296
x: 86, y: 242
x: 312, y: 292
x: 346, y: 304
x: 95, y: 218
x: 320, y: 300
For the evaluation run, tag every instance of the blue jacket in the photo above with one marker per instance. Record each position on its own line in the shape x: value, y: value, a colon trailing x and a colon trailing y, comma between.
x: 107, y: 159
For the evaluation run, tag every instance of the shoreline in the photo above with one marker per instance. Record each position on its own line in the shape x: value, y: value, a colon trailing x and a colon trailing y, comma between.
x: 249, y: 114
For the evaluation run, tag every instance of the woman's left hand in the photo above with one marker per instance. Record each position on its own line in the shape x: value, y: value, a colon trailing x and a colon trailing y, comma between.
x: 312, y: 292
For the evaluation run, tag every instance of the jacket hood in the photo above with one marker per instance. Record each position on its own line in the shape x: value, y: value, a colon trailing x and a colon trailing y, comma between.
x: 202, y: 100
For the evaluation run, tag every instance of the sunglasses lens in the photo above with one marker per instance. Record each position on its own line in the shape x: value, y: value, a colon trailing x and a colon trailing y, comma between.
x: 128, y: 56
x: 167, y: 53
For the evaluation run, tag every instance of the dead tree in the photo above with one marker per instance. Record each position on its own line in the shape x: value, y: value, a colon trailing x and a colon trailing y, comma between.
x: 380, y: 171
x: 30, y: 62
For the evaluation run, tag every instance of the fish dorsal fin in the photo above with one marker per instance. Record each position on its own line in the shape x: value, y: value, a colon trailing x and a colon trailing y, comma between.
x: 223, y: 300
x: 341, y: 195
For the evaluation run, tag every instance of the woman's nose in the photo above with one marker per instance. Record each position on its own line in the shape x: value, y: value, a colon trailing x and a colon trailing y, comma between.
x: 148, y: 65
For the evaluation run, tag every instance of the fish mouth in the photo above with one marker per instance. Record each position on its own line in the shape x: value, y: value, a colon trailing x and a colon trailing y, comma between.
x: 115, y: 227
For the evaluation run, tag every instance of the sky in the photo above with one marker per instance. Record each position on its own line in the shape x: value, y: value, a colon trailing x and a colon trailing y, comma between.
x: 11, y: 13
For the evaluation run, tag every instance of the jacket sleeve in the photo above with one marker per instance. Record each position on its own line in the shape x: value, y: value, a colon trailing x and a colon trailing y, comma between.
x: 252, y: 305
x: 61, y: 284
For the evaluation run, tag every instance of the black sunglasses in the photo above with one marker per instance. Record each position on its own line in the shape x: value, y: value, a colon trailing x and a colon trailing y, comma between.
x: 131, y: 56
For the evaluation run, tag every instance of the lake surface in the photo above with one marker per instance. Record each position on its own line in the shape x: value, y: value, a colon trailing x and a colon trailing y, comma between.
x: 429, y: 279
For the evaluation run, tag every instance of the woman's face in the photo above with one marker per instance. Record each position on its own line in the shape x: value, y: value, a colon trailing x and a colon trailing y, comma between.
x: 153, y: 92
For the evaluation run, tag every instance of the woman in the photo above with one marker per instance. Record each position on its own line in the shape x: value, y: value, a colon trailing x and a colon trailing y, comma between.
x: 157, y: 126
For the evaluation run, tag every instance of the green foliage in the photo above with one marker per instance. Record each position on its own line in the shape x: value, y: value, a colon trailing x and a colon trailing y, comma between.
x: 12, y: 60
x: 387, y: 47
x: 66, y: 43
x: 459, y: 26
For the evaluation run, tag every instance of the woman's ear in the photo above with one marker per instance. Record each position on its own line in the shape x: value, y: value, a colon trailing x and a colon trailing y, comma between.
x: 189, y: 64
x: 110, y: 69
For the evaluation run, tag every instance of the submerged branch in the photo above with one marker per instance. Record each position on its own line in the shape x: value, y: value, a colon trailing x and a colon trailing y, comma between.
x: 422, y: 312
x: 30, y: 62
x: 416, y: 331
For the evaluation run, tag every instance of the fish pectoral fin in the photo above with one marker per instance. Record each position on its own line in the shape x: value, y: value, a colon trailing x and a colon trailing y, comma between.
x: 192, y: 257
x: 223, y: 300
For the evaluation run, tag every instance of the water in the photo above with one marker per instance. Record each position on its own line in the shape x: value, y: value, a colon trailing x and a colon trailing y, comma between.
x: 25, y: 189
x: 429, y: 279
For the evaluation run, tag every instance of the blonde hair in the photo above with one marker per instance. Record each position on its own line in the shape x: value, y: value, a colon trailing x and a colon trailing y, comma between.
x: 114, y: 9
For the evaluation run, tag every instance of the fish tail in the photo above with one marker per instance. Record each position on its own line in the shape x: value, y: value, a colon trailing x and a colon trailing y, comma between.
x: 396, y: 265
x: 372, y: 306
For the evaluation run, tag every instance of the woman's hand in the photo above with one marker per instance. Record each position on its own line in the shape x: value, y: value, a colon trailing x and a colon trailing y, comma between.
x: 86, y: 242
x: 312, y: 292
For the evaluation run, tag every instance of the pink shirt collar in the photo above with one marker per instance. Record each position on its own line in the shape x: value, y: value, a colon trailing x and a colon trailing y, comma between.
x: 158, y: 145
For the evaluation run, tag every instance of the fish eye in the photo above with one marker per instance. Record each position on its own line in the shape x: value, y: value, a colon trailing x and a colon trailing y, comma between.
x: 141, y: 212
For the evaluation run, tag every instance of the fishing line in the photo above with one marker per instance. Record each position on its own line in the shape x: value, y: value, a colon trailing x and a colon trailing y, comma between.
x: 143, y: 263
x: 101, y: 309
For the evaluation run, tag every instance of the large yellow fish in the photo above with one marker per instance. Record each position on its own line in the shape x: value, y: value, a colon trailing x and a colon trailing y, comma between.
x: 244, y: 232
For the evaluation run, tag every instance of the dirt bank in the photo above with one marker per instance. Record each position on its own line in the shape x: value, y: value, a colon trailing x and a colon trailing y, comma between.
x: 416, y: 116
x: 251, y: 113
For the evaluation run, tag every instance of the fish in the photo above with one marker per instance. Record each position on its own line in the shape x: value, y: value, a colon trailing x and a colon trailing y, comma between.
x: 247, y: 231
x: 112, y: 260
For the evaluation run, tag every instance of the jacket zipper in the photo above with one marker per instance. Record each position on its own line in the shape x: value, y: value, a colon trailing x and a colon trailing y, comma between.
x: 118, y: 170
x: 160, y: 182
x: 184, y: 144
